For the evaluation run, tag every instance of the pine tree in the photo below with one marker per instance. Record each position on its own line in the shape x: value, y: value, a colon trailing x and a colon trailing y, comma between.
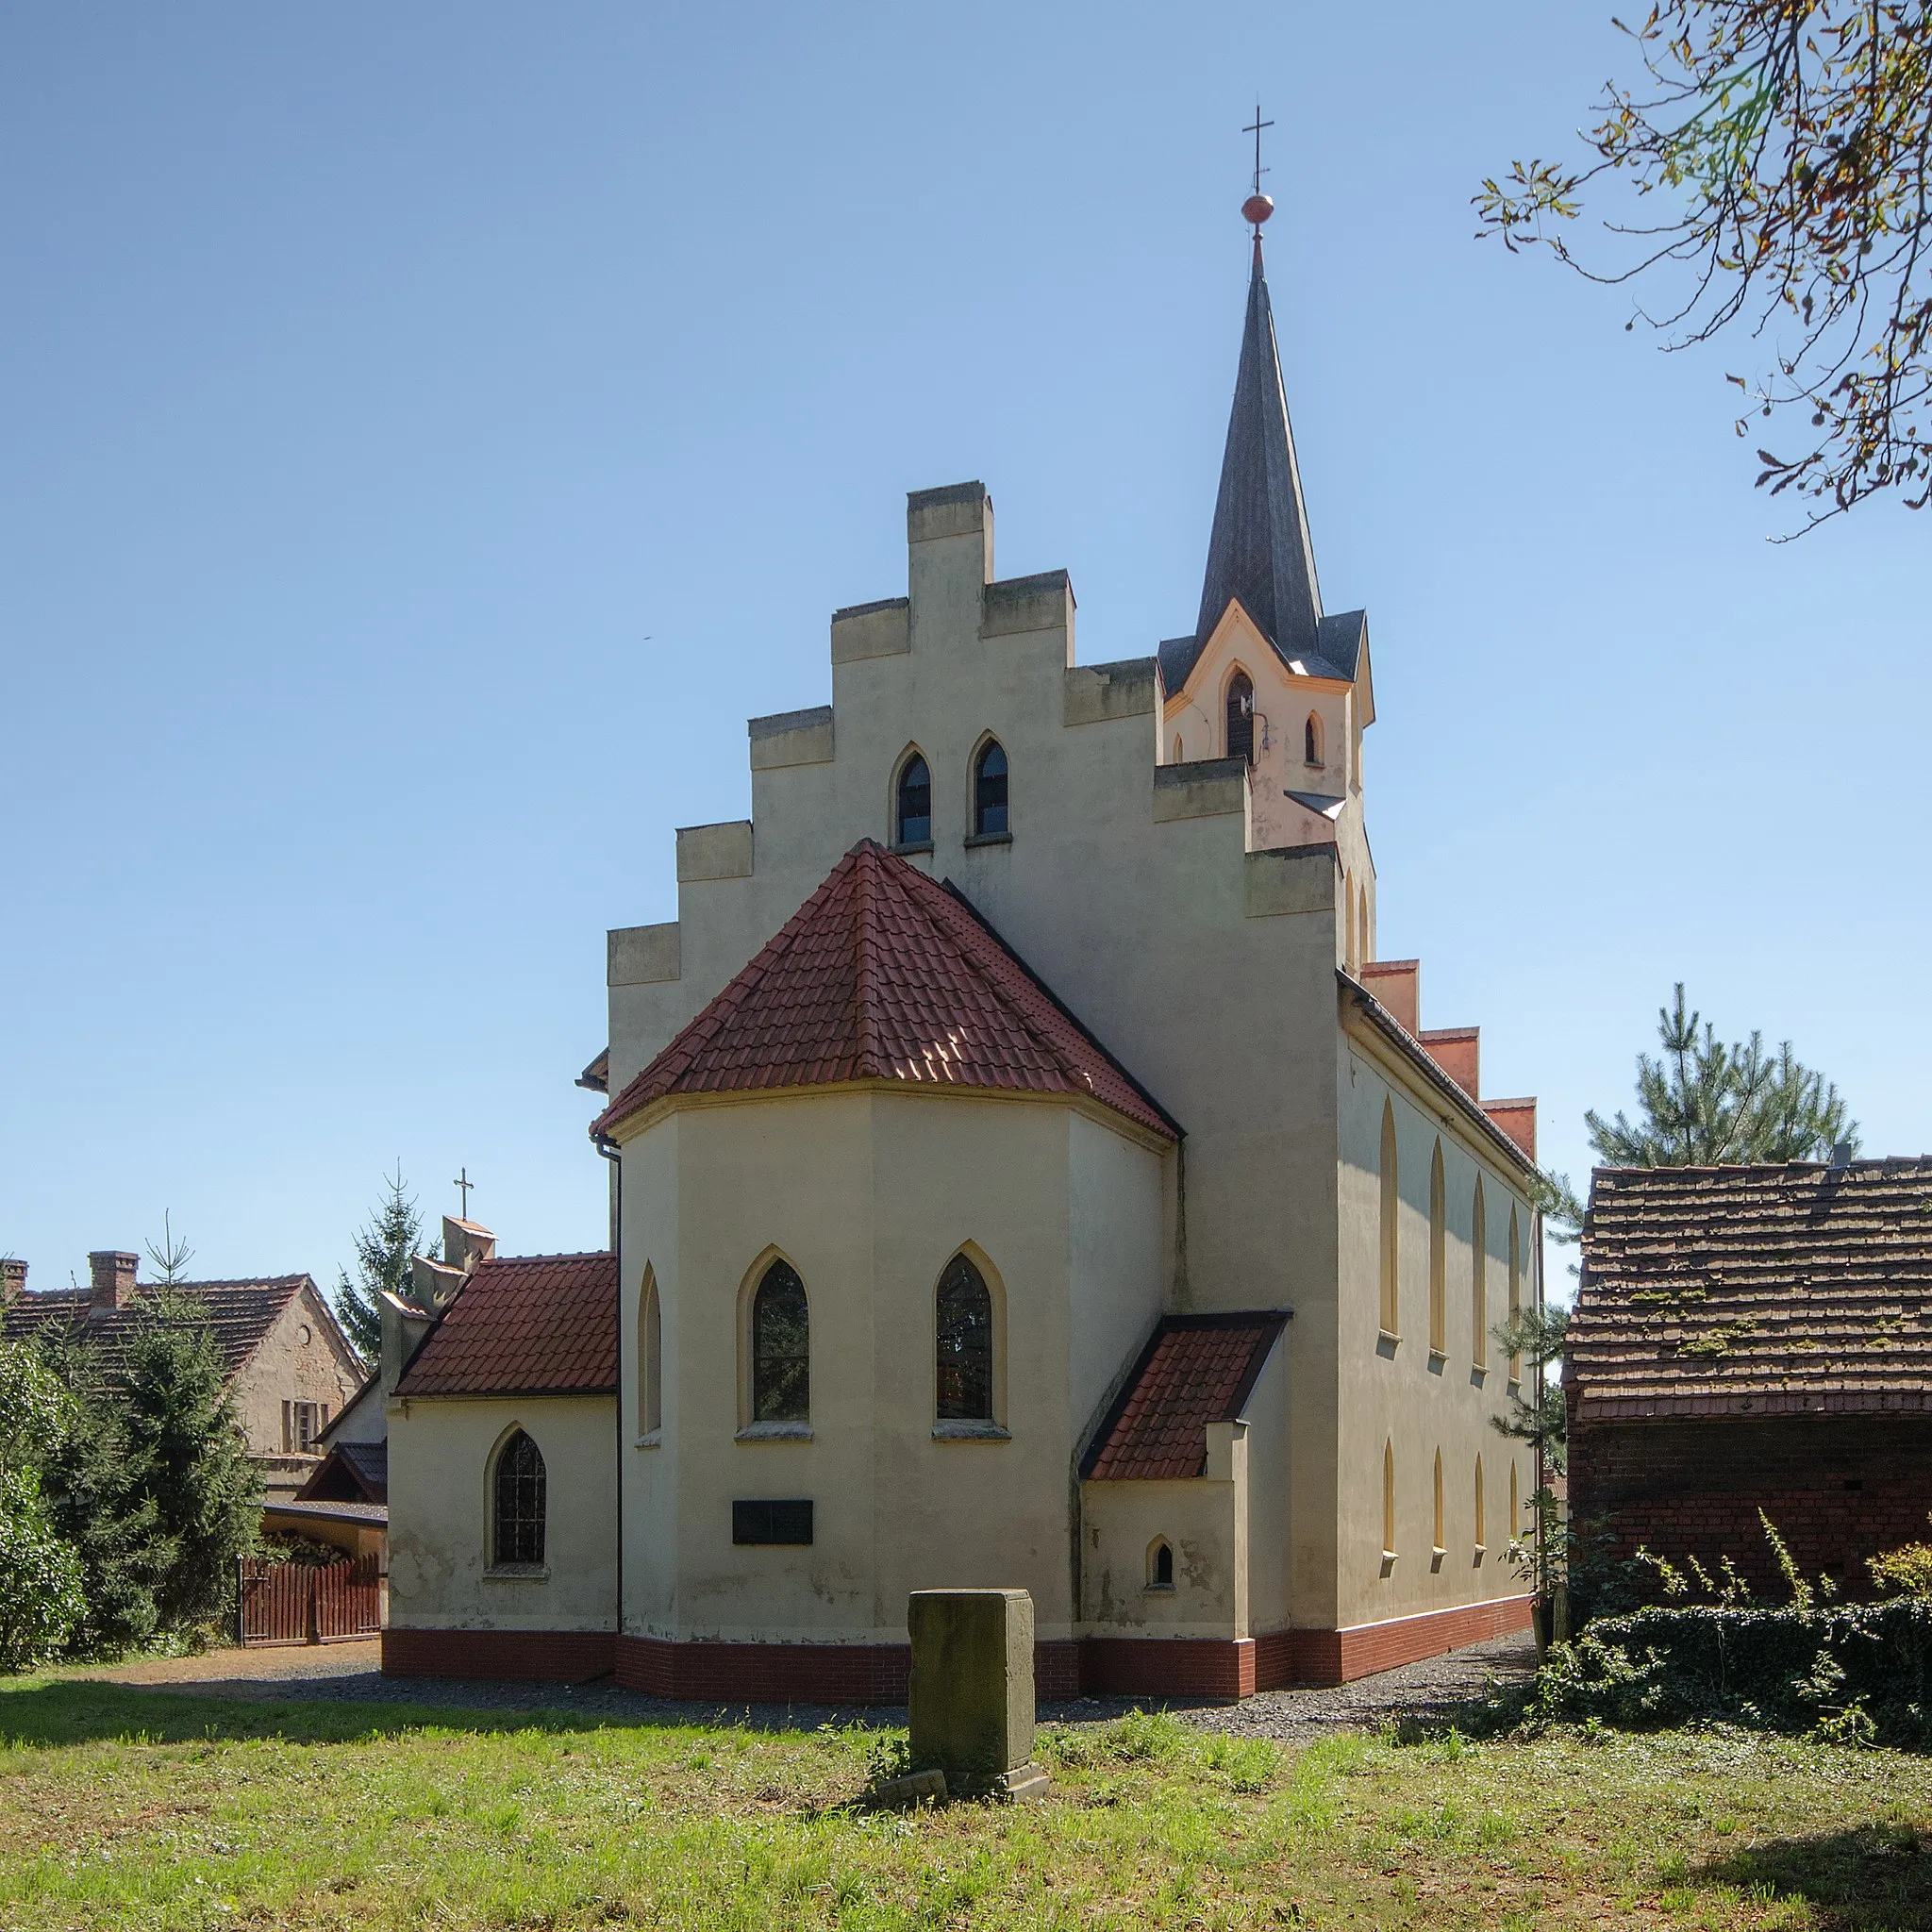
x: 1701, y: 1103
x: 383, y: 1250
x: 193, y: 1461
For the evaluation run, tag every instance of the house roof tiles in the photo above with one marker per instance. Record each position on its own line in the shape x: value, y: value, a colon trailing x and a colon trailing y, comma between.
x: 1196, y: 1370
x: 1767, y: 1289
x: 886, y: 974
x: 240, y: 1313
x: 525, y: 1324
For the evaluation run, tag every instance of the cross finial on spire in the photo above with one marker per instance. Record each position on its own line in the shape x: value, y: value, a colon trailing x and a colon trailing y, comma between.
x: 1257, y: 206
x: 465, y: 1183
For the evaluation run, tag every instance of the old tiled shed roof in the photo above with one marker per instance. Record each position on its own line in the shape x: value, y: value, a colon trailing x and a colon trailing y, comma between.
x: 535, y: 1325
x: 240, y: 1313
x: 1196, y: 1370
x: 1760, y: 1291
x: 885, y: 974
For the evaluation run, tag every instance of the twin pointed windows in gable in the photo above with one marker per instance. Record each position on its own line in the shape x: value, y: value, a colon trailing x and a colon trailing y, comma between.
x: 912, y: 805
x: 989, y: 812
x: 989, y: 791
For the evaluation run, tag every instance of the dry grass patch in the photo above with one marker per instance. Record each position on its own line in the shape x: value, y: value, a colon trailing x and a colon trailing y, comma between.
x: 127, y: 1808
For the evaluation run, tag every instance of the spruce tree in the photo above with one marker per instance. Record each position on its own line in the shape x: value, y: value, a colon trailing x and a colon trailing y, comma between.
x: 193, y: 1458
x: 383, y: 1250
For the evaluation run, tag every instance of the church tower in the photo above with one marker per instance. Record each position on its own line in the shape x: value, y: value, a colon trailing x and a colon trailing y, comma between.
x: 1267, y: 677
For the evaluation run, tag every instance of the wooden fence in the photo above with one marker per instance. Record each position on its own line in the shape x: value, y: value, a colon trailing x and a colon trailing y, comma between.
x: 308, y: 1603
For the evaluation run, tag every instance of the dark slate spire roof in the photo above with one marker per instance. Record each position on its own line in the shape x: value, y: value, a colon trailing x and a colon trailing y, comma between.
x: 1259, y: 551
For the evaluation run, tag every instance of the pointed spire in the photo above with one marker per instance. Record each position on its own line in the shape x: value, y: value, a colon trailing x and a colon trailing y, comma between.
x: 1259, y: 550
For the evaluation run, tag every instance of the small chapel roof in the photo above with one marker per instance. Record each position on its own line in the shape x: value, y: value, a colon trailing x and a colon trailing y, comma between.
x: 1772, y: 1290
x: 1196, y: 1370
x: 884, y: 974
x: 525, y: 1324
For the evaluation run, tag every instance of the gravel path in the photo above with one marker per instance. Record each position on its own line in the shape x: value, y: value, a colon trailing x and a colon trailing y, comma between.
x: 351, y: 1672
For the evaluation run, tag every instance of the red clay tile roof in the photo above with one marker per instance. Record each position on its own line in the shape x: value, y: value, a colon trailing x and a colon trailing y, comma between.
x: 885, y: 974
x: 240, y: 1313
x: 525, y: 1324
x: 1198, y: 1368
x: 1761, y: 1290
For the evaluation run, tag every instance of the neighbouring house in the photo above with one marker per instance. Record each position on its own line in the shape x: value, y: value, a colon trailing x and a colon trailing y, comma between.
x: 1023, y: 1174
x: 290, y: 1368
x: 1752, y: 1338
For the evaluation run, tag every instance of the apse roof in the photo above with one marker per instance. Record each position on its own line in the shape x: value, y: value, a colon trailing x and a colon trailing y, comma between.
x: 886, y: 974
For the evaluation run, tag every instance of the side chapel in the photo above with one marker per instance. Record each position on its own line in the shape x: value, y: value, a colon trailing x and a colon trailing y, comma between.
x: 1023, y: 1173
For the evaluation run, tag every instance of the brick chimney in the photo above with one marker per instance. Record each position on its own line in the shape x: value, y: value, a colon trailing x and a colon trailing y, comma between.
x: 113, y: 1280
x: 12, y: 1281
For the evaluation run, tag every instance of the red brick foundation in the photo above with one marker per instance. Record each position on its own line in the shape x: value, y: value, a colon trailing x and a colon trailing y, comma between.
x: 1219, y: 1670
x: 1840, y: 1489
x: 568, y: 1656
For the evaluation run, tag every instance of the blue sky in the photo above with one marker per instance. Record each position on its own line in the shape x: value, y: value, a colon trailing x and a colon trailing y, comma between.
x: 431, y: 430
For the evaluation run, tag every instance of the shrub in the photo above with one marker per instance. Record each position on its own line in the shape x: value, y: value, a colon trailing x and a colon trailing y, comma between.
x: 1906, y: 1572
x: 39, y: 1573
x: 1854, y: 1671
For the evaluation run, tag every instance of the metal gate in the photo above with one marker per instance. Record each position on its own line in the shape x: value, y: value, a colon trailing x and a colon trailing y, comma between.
x: 308, y: 1603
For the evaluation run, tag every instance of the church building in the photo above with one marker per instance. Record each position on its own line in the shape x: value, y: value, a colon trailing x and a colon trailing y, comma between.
x: 1025, y: 1174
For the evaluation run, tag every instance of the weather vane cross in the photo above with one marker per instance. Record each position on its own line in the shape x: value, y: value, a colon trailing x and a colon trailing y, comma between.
x: 465, y: 1183
x: 1255, y: 127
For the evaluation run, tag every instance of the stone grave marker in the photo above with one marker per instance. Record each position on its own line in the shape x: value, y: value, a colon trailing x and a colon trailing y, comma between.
x: 972, y: 1694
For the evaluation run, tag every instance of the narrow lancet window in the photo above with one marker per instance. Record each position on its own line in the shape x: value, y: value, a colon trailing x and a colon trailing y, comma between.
x: 1479, y: 1281
x: 1391, y: 1204
x: 990, y: 791
x: 780, y: 1348
x: 1481, y: 1525
x: 1515, y: 1291
x: 1161, y: 1564
x: 1440, y: 1546
x: 1241, y: 717
x: 965, y: 1345
x: 914, y: 803
x: 520, y: 1501
x: 1387, y: 1500
x: 1311, y: 741
x: 1439, y: 1259
x: 650, y: 1359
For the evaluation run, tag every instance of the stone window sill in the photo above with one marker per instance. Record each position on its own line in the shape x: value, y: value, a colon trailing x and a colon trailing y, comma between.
x: 517, y: 1573
x: 1159, y: 1589
x: 650, y: 1438
x: 912, y: 846
x: 970, y: 1432
x: 775, y: 1432
x: 989, y: 839
x: 1386, y: 1344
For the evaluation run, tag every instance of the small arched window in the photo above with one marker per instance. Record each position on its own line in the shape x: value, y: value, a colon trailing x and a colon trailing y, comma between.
x: 1311, y: 741
x: 1178, y: 760
x: 1481, y: 1539
x: 1440, y: 1546
x: 649, y: 1358
x: 780, y: 1348
x: 965, y: 1345
x: 1241, y: 717
x: 1439, y: 1259
x: 1515, y: 1291
x: 989, y: 791
x: 1515, y: 1519
x: 520, y: 1501
x: 914, y: 805
x: 1479, y: 1281
x: 1161, y: 1564
x: 1391, y: 1204
x: 1368, y: 942
x: 1389, y: 1501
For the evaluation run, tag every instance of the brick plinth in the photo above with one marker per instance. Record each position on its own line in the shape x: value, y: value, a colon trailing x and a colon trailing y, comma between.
x: 1338, y: 1657
x: 804, y: 1672
x: 1218, y: 1668
x: 1840, y: 1489
x: 570, y: 1656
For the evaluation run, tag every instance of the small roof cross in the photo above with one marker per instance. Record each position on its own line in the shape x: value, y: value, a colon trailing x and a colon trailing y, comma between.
x: 465, y: 1183
x: 1255, y: 127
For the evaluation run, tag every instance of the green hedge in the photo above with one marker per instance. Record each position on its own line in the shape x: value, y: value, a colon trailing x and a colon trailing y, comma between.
x: 1859, y: 1671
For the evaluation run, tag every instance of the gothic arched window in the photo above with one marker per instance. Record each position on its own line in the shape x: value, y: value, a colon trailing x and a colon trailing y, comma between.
x: 519, y: 1501
x: 1311, y: 740
x: 1161, y: 1564
x: 912, y: 806
x: 1479, y: 1280
x: 1439, y: 1259
x: 989, y: 791
x: 780, y: 1348
x: 965, y: 1345
x: 1241, y: 717
x: 1390, y: 1207
x: 650, y: 1357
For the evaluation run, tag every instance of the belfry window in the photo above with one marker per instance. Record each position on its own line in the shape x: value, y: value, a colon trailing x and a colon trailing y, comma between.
x: 914, y: 805
x: 780, y: 1348
x: 990, y: 791
x: 520, y: 1501
x: 1241, y: 717
x: 965, y: 1345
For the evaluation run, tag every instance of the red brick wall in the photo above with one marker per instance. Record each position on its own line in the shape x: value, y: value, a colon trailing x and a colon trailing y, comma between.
x: 1167, y: 1666
x: 570, y: 1656
x: 1840, y: 1489
x: 804, y: 1672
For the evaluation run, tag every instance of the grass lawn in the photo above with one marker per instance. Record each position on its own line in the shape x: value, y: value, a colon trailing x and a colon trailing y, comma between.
x: 131, y: 1808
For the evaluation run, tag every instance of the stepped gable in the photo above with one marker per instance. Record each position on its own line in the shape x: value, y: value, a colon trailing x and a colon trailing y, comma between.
x: 885, y: 974
x: 527, y: 1324
x: 1198, y: 1369
x: 1763, y: 1290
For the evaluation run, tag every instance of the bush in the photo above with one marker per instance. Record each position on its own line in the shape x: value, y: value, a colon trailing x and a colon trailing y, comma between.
x: 1906, y: 1572
x: 1855, y: 1672
x: 39, y: 1573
